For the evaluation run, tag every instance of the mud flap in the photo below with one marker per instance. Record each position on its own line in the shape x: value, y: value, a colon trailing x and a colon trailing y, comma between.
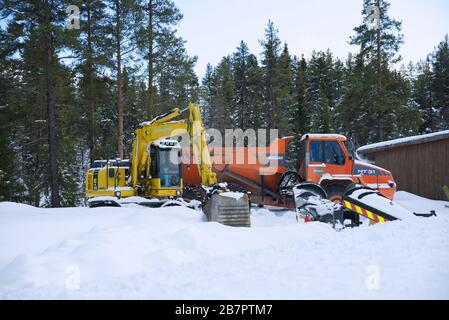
x: 229, y: 210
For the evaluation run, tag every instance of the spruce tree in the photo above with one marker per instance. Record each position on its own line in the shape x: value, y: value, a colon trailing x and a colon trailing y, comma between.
x: 225, y: 94
x: 271, y: 49
x: 161, y: 18
x: 441, y: 82
x: 240, y: 77
x: 286, y: 100
x: 300, y: 115
x: 255, y: 96
x: 379, y: 47
x: 93, y: 55
x: 422, y: 96
x: 35, y: 31
x: 124, y: 17
x: 209, y: 97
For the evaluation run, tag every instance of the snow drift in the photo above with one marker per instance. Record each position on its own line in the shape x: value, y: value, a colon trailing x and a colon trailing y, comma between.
x: 172, y: 253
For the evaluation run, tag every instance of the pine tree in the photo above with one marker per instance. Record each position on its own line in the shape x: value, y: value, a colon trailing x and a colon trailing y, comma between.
x: 161, y: 18
x: 240, y: 77
x: 225, y: 94
x: 10, y: 188
x: 270, y: 65
x: 124, y: 18
x: 356, y: 111
x: 441, y: 82
x: 35, y: 31
x: 422, y: 96
x: 379, y: 46
x: 325, y: 113
x: 255, y: 97
x: 176, y: 80
x: 93, y: 55
x: 286, y: 99
x: 209, y: 97
x: 300, y: 116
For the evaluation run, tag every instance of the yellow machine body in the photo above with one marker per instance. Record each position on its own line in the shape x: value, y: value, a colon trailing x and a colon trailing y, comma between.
x: 143, y: 176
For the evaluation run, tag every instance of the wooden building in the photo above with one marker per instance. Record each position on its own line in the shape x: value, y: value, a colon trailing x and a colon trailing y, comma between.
x: 419, y: 164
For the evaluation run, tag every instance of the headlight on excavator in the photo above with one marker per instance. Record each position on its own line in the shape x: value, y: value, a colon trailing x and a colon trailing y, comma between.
x: 118, y: 194
x: 178, y: 193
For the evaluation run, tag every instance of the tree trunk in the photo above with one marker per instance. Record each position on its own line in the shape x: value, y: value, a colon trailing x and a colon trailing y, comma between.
x: 118, y: 30
x: 150, y: 56
x: 51, y: 115
x: 380, y: 107
x: 90, y: 90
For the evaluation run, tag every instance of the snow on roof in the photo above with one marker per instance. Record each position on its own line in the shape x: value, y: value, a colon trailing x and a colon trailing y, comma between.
x: 403, y: 141
x: 167, y: 144
x: 322, y: 135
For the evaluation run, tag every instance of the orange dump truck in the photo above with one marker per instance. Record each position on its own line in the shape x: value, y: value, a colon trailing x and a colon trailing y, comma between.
x: 323, y: 159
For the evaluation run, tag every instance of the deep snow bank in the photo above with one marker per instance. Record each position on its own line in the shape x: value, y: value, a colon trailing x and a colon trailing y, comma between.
x: 137, y: 252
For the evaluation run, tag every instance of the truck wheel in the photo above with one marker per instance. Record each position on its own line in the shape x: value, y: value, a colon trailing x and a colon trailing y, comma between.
x: 335, y: 192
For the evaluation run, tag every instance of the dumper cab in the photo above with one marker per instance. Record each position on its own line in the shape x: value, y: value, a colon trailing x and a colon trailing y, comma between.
x: 328, y: 160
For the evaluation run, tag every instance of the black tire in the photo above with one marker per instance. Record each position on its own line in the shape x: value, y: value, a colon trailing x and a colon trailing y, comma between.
x: 335, y: 192
x: 192, y: 193
x: 288, y: 180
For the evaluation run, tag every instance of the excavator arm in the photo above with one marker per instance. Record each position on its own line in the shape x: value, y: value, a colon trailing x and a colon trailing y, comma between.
x: 219, y: 207
x: 165, y: 126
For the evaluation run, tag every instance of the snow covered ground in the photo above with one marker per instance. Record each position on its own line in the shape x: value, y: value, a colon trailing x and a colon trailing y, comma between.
x: 142, y: 253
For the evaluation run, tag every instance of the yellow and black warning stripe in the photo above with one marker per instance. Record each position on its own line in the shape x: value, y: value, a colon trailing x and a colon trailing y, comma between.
x: 364, y: 212
x: 367, y: 211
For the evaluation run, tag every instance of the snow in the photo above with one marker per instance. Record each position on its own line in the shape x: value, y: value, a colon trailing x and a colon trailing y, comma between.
x: 323, y: 136
x: 413, y: 139
x: 385, y: 205
x: 135, y: 252
x: 234, y: 195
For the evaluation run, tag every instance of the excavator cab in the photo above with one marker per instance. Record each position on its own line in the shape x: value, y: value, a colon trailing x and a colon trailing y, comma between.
x: 165, y: 171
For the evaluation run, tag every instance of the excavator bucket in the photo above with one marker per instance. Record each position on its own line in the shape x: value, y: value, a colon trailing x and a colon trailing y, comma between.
x: 229, y: 208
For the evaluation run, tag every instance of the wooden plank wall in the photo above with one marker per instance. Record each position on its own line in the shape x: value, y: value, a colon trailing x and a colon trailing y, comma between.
x: 422, y: 169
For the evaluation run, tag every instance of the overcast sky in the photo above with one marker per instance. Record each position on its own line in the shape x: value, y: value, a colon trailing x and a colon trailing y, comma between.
x: 214, y: 28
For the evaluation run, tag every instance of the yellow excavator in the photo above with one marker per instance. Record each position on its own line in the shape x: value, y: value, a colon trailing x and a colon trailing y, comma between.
x: 153, y: 175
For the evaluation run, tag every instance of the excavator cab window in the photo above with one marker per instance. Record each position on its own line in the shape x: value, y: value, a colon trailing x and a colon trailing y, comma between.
x: 168, y: 170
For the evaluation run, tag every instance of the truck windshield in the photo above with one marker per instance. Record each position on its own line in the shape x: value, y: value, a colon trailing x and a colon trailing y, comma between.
x: 326, y: 152
x: 169, y: 170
